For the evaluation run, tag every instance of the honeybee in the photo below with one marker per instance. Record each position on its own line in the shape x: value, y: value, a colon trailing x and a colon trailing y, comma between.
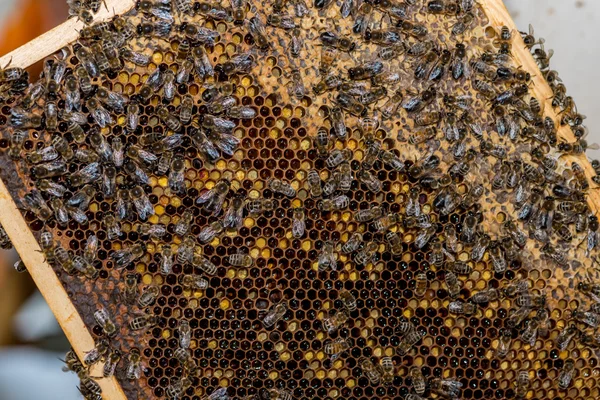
x: 338, y: 124
x: 281, y: 20
x: 240, y: 260
x: 370, y: 370
x: 72, y: 362
x: 418, y: 31
x: 453, y: 284
x: 211, y: 231
x: 522, y: 384
x: 51, y: 187
x: 156, y: 8
x: 274, y: 315
x: 19, y: 118
x: 182, y: 226
x: 124, y: 257
x: 395, y: 243
x: 412, y: 396
x: 460, y: 308
x: 529, y: 335
x: 131, y: 288
x: 408, y: 340
x: 329, y: 82
x: 343, y: 177
x: 88, y: 386
x: 463, y: 24
x: 276, y: 394
x: 326, y: 258
x: 587, y: 317
x: 353, y: 244
x: 34, y: 202
x: 176, y: 177
x: 420, y: 101
x: 143, y: 322
x: 96, y: 354
x: 103, y: 319
x: 112, y: 100
x: 148, y: 296
x: 366, y: 254
x: 334, y: 204
x: 332, y: 323
x: 111, y: 363
x: 16, y: 144
x: 314, y: 183
x: 260, y: 206
x: 213, y: 199
x: 257, y: 29
x: 348, y: 300
x: 113, y: 229
x: 185, y: 334
x: 194, y: 282
x: 175, y: 390
x: 504, y: 343
x: 299, y: 223
x: 166, y: 259
x: 566, y: 374
x: 421, y: 284
x: 368, y: 214
x: 335, y: 348
x: 141, y: 202
x: 351, y: 105
x: 238, y: 11
x: 446, y: 387
x: 185, y: 251
x: 418, y: 380
x: 170, y: 120
x: 46, y: 243
x: 164, y: 163
x: 341, y: 43
x: 134, y: 369
x: 281, y: 187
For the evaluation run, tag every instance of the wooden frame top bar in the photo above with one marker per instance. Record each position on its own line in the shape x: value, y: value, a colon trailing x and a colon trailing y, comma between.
x: 64, y: 34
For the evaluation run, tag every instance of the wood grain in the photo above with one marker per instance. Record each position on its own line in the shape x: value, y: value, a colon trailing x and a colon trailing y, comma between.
x: 64, y: 34
x: 498, y: 15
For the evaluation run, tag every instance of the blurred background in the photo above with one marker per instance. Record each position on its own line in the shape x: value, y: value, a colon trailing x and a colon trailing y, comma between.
x: 31, y: 341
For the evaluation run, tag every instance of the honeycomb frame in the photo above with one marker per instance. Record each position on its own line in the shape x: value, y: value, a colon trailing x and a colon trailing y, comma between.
x: 57, y: 297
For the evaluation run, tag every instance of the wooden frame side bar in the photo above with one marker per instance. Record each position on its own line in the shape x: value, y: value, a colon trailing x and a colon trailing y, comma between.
x: 50, y: 287
x: 498, y: 15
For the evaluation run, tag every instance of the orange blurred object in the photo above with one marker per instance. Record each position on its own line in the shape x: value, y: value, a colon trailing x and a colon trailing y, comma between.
x: 27, y: 20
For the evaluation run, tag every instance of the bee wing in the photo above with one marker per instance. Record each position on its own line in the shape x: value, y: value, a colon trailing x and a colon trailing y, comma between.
x: 205, y: 197
x: 298, y: 228
x: 227, y: 143
x: 78, y: 215
x: 233, y: 217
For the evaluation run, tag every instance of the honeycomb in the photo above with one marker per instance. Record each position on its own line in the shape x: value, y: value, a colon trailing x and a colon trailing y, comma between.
x: 271, y: 201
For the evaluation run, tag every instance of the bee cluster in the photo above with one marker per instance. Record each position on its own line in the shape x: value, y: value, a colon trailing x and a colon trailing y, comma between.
x: 252, y: 201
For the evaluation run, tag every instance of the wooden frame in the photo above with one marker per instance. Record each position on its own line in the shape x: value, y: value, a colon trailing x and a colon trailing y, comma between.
x: 28, y: 248
x: 14, y: 223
